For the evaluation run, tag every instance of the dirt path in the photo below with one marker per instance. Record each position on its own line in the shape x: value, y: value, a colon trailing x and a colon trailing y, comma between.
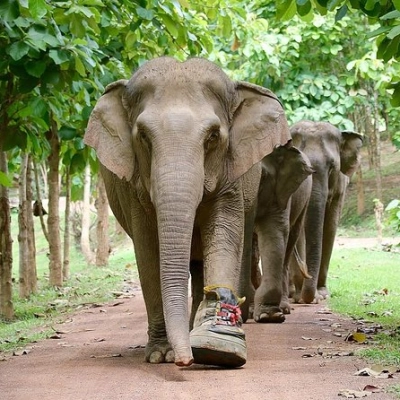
x: 98, y: 354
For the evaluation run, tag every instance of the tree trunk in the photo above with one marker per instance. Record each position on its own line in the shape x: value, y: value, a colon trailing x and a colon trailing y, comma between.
x: 377, y: 150
x: 39, y: 200
x: 103, y: 245
x: 360, y: 192
x: 23, y: 231
x: 370, y: 137
x: 66, y: 224
x: 6, y: 304
x: 53, y: 220
x: 85, y: 232
x: 32, y: 274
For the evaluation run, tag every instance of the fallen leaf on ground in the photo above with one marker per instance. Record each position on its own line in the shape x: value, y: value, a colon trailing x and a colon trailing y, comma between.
x: 299, y: 348
x: 55, y: 336
x: 324, y: 311
x: 372, y: 388
x: 21, y: 352
x: 377, y: 371
x: 358, y: 337
x: 309, y: 338
x: 353, y: 394
x: 107, y: 356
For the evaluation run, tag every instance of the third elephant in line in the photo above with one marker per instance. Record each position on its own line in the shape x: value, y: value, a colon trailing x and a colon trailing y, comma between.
x: 335, y: 156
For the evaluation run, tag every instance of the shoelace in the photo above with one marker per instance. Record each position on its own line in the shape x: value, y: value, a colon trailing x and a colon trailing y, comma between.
x: 228, y: 315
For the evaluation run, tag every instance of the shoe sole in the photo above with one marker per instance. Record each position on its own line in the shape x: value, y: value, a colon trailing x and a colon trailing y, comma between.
x: 220, y: 350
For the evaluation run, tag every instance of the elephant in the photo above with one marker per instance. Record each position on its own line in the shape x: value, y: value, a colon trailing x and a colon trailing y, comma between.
x: 335, y: 156
x: 180, y: 146
x: 286, y: 174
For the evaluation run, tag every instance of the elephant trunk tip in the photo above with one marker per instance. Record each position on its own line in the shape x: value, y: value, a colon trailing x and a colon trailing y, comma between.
x: 184, y: 361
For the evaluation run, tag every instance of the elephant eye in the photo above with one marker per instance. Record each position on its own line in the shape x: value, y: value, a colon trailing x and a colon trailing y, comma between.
x: 212, y: 137
x: 143, y: 136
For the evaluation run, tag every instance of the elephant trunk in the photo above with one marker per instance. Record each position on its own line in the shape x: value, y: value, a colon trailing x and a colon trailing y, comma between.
x: 314, y: 224
x: 177, y: 192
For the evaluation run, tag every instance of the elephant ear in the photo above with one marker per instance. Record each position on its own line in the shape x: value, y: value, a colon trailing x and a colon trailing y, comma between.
x: 350, y: 152
x: 258, y: 125
x: 109, y: 133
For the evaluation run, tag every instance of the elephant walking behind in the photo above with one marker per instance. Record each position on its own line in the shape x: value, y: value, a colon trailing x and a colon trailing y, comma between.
x: 180, y: 146
x: 283, y: 196
x: 335, y: 156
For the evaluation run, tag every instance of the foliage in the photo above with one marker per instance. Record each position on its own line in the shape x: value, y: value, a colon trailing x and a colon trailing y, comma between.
x: 393, y: 214
x: 384, y: 12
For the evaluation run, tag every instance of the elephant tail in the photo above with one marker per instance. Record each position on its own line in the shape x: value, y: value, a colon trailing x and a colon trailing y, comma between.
x: 301, y: 263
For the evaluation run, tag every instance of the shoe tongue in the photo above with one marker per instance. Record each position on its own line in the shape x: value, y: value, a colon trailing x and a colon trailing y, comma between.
x: 226, y: 296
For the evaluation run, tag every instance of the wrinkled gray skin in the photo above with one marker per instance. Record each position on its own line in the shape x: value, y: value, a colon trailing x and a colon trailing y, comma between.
x: 286, y: 173
x: 335, y: 156
x: 179, y: 146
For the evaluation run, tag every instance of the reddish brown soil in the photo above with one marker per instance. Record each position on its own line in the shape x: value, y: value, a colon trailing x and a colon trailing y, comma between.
x: 99, y: 355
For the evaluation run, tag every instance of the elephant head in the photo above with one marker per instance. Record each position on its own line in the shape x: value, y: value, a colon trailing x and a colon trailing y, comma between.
x: 284, y: 169
x: 181, y: 133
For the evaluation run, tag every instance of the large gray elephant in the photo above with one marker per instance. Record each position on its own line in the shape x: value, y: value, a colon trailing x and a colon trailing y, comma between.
x: 334, y: 156
x: 286, y: 174
x: 179, y: 146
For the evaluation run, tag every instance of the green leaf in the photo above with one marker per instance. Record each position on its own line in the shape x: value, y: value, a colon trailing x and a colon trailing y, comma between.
x: 391, y: 15
x: 78, y: 163
x: 38, y: 8
x: 80, y: 67
x: 393, y: 204
x: 285, y: 9
x: 394, y: 32
x: 9, y: 10
x: 35, y: 67
x: 303, y: 9
x: 170, y: 24
x: 144, y: 13
x: 59, y: 56
x: 226, y: 26
x: 395, y: 100
x: 5, y: 180
x: 18, y: 50
x: 396, y: 4
x: 67, y: 133
x: 341, y: 13
x: 370, y: 4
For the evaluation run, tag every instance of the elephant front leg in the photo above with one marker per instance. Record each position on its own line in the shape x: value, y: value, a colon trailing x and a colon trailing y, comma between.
x: 158, y: 349
x: 272, y: 235
x: 217, y: 337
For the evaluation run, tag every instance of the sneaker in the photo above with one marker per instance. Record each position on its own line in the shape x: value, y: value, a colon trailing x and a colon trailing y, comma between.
x: 217, y: 337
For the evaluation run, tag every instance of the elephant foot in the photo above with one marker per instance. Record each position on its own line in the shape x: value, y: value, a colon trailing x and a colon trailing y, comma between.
x: 269, y: 314
x: 160, y: 352
x: 217, y: 337
x: 323, y: 292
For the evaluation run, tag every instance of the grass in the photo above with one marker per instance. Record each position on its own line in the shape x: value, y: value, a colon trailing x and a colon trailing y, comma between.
x: 365, y: 285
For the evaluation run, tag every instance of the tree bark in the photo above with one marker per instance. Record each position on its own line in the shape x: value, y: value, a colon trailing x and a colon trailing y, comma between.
x: 85, y: 232
x: 39, y: 200
x: 53, y: 220
x: 32, y: 274
x: 23, y: 231
x: 103, y: 244
x: 66, y: 224
x: 377, y: 149
x: 6, y: 304
x: 360, y: 192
